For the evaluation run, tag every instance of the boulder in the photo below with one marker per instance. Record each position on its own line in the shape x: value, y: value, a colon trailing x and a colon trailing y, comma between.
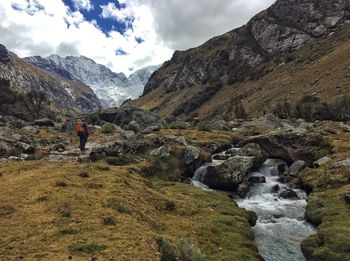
x: 7, y: 148
x: 257, y: 179
x: 322, y: 161
x: 191, y: 154
x: 44, y: 122
x: 31, y: 129
x: 243, y: 190
x: 162, y: 152
x: 124, y: 115
x: 296, y: 168
x: 289, y: 194
x: 275, y: 189
x: 341, y: 164
x: 151, y: 129
x: 229, y: 174
x: 176, y: 139
x: 292, y: 146
x: 133, y: 126
x: 264, y: 122
x: 345, y: 127
x: 220, y: 125
x: 255, y: 151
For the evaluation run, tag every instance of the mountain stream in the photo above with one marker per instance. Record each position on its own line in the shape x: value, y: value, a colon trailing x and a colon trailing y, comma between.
x: 281, y: 225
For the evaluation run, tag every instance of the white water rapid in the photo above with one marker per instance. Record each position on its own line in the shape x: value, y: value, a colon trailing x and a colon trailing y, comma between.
x: 281, y: 226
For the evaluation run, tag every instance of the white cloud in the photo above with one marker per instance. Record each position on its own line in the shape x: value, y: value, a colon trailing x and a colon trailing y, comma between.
x: 83, y: 4
x: 111, y: 11
x: 45, y: 27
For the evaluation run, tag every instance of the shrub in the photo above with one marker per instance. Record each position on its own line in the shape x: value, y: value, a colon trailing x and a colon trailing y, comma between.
x: 203, y: 126
x: 109, y: 221
x: 184, y: 250
x: 86, y: 248
x: 283, y: 110
x: 120, y: 161
x: 109, y: 128
x: 170, y: 205
x: 240, y: 111
x: 311, y: 108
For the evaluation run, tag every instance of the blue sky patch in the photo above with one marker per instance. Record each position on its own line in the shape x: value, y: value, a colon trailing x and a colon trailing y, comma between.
x: 106, y: 25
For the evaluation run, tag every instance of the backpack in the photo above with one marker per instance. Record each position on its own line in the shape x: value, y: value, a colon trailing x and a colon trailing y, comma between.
x: 79, y: 127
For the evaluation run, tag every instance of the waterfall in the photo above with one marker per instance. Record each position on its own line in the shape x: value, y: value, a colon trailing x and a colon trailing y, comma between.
x: 199, y: 175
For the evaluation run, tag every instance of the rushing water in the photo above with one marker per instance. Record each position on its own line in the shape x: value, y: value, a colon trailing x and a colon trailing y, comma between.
x: 281, y: 226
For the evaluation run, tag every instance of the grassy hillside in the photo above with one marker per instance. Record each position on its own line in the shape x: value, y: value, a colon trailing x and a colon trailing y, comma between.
x: 320, y: 68
x: 53, y: 211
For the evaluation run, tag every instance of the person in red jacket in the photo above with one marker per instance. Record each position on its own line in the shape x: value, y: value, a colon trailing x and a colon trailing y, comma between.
x: 82, y: 131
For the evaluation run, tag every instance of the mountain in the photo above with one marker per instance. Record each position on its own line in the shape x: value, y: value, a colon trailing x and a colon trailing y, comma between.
x: 64, y: 93
x: 242, y: 65
x: 110, y: 87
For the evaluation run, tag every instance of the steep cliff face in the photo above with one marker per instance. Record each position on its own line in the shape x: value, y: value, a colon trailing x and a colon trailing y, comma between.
x: 65, y: 95
x: 240, y: 54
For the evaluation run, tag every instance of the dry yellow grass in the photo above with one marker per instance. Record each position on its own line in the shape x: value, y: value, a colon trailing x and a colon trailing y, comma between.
x: 50, y: 211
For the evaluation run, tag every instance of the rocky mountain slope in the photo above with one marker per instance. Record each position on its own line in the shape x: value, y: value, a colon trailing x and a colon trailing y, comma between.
x: 65, y: 94
x: 110, y: 87
x: 232, y: 67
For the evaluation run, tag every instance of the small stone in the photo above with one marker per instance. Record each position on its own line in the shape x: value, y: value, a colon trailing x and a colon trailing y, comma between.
x: 257, y: 180
x: 289, y: 194
x: 347, y: 197
x: 275, y: 189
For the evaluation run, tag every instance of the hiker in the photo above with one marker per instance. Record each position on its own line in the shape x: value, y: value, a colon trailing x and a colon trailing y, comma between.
x: 82, y: 132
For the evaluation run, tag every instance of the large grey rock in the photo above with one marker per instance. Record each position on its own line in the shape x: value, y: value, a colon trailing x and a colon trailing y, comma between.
x: 296, y: 168
x: 176, y: 139
x: 8, y: 148
x: 124, y: 115
x: 162, y: 152
x: 191, y: 154
x: 264, y: 122
x: 229, y: 174
x: 255, y: 151
x: 133, y: 126
x: 291, y: 146
x: 31, y: 129
x: 289, y: 194
x: 341, y: 164
x: 220, y: 125
x: 44, y: 122
x: 321, y: 162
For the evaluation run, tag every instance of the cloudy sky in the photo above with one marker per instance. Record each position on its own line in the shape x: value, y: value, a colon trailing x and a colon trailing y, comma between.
x: 124, y: 35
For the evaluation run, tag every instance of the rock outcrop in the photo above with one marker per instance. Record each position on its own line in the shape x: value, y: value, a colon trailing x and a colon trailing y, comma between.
x: 4, y: 55
x: 285, y: 26
x: 292, y: 146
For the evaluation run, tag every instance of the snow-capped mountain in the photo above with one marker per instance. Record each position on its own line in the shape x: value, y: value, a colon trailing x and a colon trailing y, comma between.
x: 110, y: 87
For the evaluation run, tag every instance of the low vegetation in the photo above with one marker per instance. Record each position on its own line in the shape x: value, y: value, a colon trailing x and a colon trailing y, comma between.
x: 312, y: 108
x: 126, y: 217
x: 327, y: 208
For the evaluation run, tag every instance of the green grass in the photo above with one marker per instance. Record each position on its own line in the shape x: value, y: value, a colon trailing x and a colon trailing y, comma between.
x: 329, y: 211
